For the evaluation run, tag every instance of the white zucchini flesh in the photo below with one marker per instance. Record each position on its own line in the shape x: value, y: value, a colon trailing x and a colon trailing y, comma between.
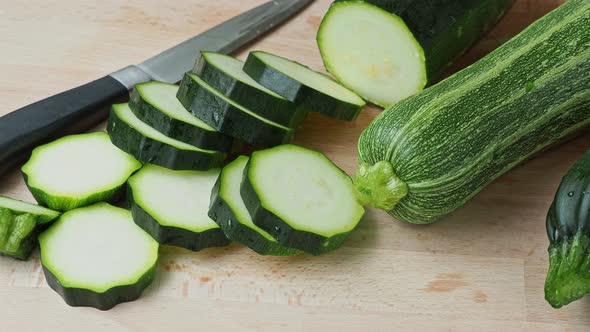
x: 78, y: 167
x: 97, y: 248
x: 310, y: 78
x: 305, y: 189
x: 175, y: 198
x: 44, y: 214
x: 233, y: 67
x: 163, y: 97
x: 372, y: 52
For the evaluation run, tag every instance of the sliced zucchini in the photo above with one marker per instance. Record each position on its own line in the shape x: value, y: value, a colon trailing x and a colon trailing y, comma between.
x: 150, y: 146
x: 229, y: 117
x: 305, y: 87
x: 229, y: 211
x: 300, y: 198
x: 172, y: 207
x: 78, y: 170
x: 97, y: 257
x: 19, y: 225
x: 225, y: 74
x: 155, y: 103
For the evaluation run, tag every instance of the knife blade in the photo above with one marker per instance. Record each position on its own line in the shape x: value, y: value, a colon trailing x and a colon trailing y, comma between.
x: 80, y: 108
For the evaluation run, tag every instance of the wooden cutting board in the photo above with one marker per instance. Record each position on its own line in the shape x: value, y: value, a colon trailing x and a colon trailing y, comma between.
x: 481, y: 269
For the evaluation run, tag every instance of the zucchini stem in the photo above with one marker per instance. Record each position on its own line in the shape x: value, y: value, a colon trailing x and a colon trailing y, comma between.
x: 378, y: 185
x: 568, y: 278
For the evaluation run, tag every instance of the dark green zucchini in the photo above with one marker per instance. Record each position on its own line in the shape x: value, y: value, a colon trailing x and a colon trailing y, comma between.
x: 225, y: 74
x: 155, y: 103
x: 308, y: 89
x: 19, y: 225
x: 388, y: 50
x: 227, y: 116
x: 148, y: 145
x: 70, y: 172
x: 429, y: 154
x: 300, y: 198
x: 97, y: 257
x: 172, y: 207
x: 228, y: 210
x: 568, y: 228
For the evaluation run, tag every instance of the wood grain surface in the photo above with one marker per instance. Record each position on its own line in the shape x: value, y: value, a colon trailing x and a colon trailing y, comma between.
x: 480, y: 269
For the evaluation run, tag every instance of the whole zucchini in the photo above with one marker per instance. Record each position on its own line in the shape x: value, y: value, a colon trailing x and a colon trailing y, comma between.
x: 568, y: 228
x: 429, y: 154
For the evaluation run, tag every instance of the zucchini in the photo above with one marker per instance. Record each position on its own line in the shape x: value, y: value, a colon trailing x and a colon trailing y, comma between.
x: 225, y: 74
x: 300, y: 198
x: 19, y: 225
x: 97, y: 257
x: 155, y: 104
x: 388, y: 50
x: 150, y: 146
x: 429, y: 154
x: 568, y: 228
x: 172, y: 207
x: 78, y: 170
x: 227, y: 116
x: 310, y: 90
x: 228, y: 210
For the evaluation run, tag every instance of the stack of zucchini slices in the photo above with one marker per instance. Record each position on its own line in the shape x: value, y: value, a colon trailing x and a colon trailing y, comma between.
x: 166, y: 149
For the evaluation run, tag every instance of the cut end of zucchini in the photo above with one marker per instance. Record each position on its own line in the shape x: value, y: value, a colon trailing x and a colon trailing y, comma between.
x: 378, y: 186
x: 301, y: 198
x: 96, y: 256
x: 172, y: 206
x: 230, y: 212
x: 77, y: 170
x: 372, y: 52
x: 568, y: 278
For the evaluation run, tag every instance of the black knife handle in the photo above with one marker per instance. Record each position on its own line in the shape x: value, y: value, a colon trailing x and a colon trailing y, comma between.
x: 71, y: 111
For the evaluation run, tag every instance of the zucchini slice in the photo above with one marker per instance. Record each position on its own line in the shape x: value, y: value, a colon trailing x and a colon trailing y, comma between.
x: 97, y: 257
x: 172, y: 207
x: 155, y: 103
x: 389, y: 50
x: 300, y: 198
x: 229, y: 211
x: 305, y: 87
x: 19, y: 223
x: 225, y: 74
x: 78, y: 170
x: 148, y: 145
x: 229, y: 117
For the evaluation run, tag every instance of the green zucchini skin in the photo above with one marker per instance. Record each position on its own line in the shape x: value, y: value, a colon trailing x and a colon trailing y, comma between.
x: 273, y: 108
x: 285, y: 234
x: 151, y: 151
x: 175, y: 236
x: 299, y: 93
x: 222, y: 213
x: 447, y: 143
x: 79, y: 297
x: 445, y: 29
x: 228, y: 119
x: 179, y: 130
x: 568, y: 229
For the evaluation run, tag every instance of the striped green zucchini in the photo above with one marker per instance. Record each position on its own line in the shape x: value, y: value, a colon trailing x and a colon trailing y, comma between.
x: 431, y: 153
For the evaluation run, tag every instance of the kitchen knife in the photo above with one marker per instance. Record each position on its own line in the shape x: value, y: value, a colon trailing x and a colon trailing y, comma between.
x: 80, y: 108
